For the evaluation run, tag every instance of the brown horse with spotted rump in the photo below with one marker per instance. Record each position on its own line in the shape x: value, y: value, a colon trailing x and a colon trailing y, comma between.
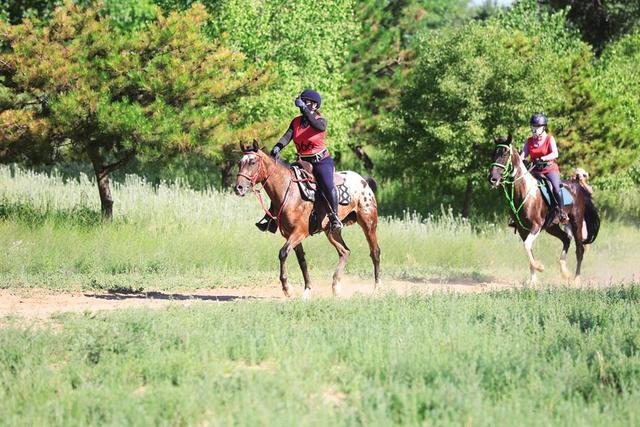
x: 292, y: 213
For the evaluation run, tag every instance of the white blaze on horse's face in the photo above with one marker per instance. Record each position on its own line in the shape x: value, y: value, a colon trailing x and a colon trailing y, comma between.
x: 248, y: 159
x: 247, y: 173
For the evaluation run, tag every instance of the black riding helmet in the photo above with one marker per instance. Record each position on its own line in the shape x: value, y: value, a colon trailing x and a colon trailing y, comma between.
x: 311, y: 95
x: 538, y: 119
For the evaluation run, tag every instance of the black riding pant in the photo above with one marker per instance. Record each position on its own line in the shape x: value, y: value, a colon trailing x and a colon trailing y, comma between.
x: 323, y: 172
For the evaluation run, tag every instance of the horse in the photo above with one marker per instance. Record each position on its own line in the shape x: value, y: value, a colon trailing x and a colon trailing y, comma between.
x: 529, y: 210
x: 293, y: 213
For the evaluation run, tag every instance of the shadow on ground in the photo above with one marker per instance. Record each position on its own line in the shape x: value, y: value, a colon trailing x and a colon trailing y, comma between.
x: 114, y: 296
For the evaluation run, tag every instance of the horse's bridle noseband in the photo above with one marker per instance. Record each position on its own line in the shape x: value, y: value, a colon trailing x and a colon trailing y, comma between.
x: 506, y: 169
x: 253, y: 179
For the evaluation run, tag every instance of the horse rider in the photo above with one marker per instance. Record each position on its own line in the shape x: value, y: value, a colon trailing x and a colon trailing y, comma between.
x: 308, y: 131
x: 541, y: 148
x: 581, y: 176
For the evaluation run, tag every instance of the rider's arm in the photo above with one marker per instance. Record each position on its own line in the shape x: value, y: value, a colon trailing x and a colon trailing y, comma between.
x: 554, y: 151
x: 286, y: 138
x: 314, y: 119
x: 525, y: 151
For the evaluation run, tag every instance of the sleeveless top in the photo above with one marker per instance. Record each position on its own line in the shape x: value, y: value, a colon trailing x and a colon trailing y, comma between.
x: 541, y: 150
x: 308, y: 140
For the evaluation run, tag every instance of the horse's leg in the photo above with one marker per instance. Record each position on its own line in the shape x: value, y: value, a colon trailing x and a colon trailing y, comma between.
x: 343, y: 253
x: 576, y: 227
x: 528, y: 238
x: 566, y: 242
x: 305, y: 272
x: 292, y: 242
x: 577, y: 281
x: 369, y: 226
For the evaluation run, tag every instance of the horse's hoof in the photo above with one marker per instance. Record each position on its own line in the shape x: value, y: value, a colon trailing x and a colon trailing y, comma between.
x: 564, y: 272
x: 336, y: 290
x: 306, y: 294
x: 286, y: 292
x: 377, y: 287
x: 538, y: 266
x: 577, y: 281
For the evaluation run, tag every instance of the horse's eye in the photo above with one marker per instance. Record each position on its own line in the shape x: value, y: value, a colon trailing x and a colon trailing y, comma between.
x: 252, y: 162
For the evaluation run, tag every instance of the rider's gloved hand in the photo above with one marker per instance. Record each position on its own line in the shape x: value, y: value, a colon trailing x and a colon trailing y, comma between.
x: 299, y: 103
x: 539, y: 164
x: 275, y: 151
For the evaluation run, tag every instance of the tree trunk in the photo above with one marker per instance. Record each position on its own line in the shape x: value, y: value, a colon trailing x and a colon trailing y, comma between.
x: 468, y: 192
x: 102, y: 177
x: 364, y: 157
x: 225, y: 174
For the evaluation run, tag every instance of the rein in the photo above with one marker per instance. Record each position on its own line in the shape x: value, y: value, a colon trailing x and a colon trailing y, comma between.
x: 258, y: 191
x: 507, y: 180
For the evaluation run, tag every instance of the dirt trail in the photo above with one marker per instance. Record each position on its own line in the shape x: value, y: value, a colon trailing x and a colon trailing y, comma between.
x: 40, y: 303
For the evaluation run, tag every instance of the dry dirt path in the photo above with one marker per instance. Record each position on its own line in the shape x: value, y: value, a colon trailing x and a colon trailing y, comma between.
x: 41, y: 303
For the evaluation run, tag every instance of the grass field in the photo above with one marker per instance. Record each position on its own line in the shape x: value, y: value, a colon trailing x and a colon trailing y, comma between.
x: 547, y: 356
x: 171, y: 237
x: 552, y: 357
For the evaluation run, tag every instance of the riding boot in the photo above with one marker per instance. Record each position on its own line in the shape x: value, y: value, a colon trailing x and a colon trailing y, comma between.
x: 334, y: 222
x: 267, y: 223
x: 561, y: 215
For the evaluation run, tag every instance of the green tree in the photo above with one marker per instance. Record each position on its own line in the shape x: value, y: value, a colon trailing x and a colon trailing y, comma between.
x: 471, y: 84
x: 83, y: 90
x: 603, y: 108
x: 125, y: 14
x: 304, y: 44
x: 384, y: 53
x: 600, y: 21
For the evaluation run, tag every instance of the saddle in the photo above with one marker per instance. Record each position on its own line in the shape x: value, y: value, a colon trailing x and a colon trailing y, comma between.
x: 303, y: 173
x: 547, y: 192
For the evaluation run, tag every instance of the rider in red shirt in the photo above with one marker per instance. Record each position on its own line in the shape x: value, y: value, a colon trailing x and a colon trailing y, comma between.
x: 308, y: 131
x: 543, y: 152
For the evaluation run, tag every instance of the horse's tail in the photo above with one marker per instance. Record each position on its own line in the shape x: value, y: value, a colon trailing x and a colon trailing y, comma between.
x: 592, y: 220
x: 372, y: 183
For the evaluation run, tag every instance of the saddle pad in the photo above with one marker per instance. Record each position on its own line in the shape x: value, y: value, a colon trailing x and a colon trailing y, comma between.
x: 566, y: 195
x: 308, y: 187
x: 344, y: 197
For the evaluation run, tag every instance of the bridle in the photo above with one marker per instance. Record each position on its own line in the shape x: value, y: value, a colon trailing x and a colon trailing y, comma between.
x: 261, y: 168
x: 508, y: 179
x: 257, y: 191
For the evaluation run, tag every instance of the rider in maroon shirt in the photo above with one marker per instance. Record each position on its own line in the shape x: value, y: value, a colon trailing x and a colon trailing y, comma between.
x: 542, y: 149
x: 308, y: 132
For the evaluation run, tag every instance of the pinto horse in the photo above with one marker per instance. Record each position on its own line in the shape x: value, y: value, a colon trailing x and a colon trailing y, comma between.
x: 529, y: 210
x: 293, y: 213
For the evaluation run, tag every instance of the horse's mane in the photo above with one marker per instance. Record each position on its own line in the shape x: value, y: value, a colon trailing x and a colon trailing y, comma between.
x: 277, y: 160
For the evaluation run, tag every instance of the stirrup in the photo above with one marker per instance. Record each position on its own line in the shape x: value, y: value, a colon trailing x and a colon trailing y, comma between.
x: 563, y: 218
x: 267, y: 223
x: 335, y: 224
x: 560, y: 217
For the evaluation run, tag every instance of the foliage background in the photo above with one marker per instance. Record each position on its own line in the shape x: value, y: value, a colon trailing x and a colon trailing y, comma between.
x: 422, y: 86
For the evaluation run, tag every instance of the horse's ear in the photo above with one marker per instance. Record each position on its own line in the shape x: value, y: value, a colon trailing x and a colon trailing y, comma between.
x: 243, y: 148
x: 509, y: 138
x: 256, y: 145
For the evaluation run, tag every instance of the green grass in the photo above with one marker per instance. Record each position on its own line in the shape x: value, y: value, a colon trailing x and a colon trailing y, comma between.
x: 527, y: 357
x: 170, y: 237
x: 552, y: 357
